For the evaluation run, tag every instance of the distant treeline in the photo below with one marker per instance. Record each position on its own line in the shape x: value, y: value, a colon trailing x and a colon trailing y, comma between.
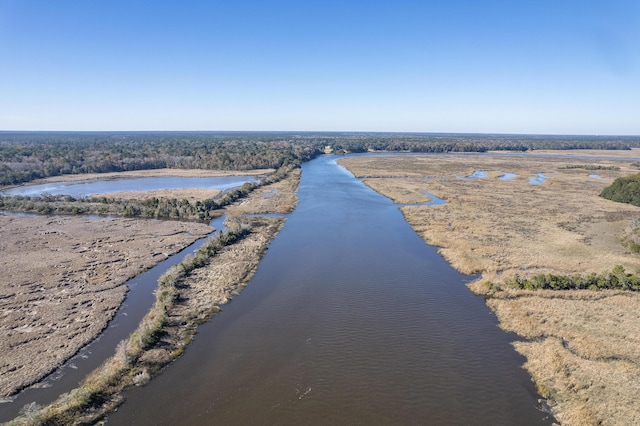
x: 28, y: 156
x: 624, y: 190
x: 25, y: 156
x: 436, y: 143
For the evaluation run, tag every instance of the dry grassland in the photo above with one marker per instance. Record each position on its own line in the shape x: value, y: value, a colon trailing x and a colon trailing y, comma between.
x: 582, y: 346
x: 190, y: 194
x: 197, y: 297
x: 278, y: 197
x: 63, y: 280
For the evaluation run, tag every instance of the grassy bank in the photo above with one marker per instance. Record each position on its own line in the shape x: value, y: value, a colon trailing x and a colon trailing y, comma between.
x: 169, y: 325
x: 63, y: 280
x: 581, y: 345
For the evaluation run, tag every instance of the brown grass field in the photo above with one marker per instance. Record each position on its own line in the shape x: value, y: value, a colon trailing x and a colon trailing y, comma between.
x: 279, y: 197
x: 190, y: 194
x: 63, y: 279
x: 581, y: 346
x: 64, y: 276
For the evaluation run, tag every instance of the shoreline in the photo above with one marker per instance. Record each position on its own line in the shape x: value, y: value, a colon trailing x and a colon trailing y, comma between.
x: 187, y: 173
x: 581, y: 346
x: 55, y: 306
x: 234, y: 266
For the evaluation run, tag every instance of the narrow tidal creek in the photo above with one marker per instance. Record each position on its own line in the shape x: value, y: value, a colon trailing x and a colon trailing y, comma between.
x: 350, y: 319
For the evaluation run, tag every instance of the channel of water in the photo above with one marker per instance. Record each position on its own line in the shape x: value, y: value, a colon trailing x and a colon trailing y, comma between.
x: 138, y: 300
x: 137, y: 303
x: 350, y: 319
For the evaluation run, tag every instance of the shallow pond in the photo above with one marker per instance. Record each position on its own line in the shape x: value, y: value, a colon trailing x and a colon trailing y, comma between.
x: 350, y: 319
x: 91, y: 187
x: 538, y: 179
x: 507, y: 176
x: 475, y: 175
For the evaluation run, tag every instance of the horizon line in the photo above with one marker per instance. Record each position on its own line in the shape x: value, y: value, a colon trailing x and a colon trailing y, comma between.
x: 328, y: 131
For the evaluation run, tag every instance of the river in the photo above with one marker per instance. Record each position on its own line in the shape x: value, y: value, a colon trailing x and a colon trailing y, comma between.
x: 350, y: 319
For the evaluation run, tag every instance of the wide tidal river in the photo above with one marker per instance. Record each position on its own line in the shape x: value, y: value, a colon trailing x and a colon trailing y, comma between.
x: 350, y: 319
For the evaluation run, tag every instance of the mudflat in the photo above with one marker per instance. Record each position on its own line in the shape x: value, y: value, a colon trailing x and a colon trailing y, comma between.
x: 581, y: 345
x: 63, y: 280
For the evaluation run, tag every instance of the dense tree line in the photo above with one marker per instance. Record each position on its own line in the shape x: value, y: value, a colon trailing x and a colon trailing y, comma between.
x: 438, y: 143
x: 617, y: 279
x: 28, y: 156
x: 624, y: 190
x: 25, y: 156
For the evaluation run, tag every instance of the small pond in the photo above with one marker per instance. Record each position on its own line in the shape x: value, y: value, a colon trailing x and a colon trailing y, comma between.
x: 91, y: 187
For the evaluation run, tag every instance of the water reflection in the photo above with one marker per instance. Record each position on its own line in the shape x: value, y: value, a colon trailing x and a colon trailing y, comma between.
x: 87, y: 188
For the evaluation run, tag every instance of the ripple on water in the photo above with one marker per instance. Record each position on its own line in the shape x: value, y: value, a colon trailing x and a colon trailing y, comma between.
x: 350, y: 319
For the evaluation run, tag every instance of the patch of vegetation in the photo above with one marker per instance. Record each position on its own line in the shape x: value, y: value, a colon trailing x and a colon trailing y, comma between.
x: 590, y: 167
x: 99, y: 391
x: 617, y: 279
x: 624, y: 190
x: 150, y: 208
x: 631, y: 239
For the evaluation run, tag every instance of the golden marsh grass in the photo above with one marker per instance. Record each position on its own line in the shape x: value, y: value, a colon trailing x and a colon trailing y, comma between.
x: 582, y: 346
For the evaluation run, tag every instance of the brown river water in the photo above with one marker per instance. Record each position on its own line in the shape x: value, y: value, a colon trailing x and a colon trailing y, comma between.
x: 350, y: 319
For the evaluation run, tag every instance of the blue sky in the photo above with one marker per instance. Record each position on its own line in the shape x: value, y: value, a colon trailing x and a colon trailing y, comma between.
x: 529, y: 66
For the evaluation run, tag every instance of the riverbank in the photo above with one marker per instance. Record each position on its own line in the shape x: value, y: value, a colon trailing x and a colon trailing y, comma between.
x: 193, y: 298
x: 63, y: 280
x: 581, y: 346
x: 187, y: 296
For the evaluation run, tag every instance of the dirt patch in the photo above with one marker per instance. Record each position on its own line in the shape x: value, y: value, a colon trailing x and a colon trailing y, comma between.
x: 63, y: 280
x: 582, y: 351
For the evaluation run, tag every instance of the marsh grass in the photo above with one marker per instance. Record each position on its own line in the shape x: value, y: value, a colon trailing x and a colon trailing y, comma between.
x: 170, y: 324
x: 582, y: 346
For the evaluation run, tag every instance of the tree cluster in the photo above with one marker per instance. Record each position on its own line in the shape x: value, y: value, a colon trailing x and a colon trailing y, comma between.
x: 624, y: 190
x: 617, y: 279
